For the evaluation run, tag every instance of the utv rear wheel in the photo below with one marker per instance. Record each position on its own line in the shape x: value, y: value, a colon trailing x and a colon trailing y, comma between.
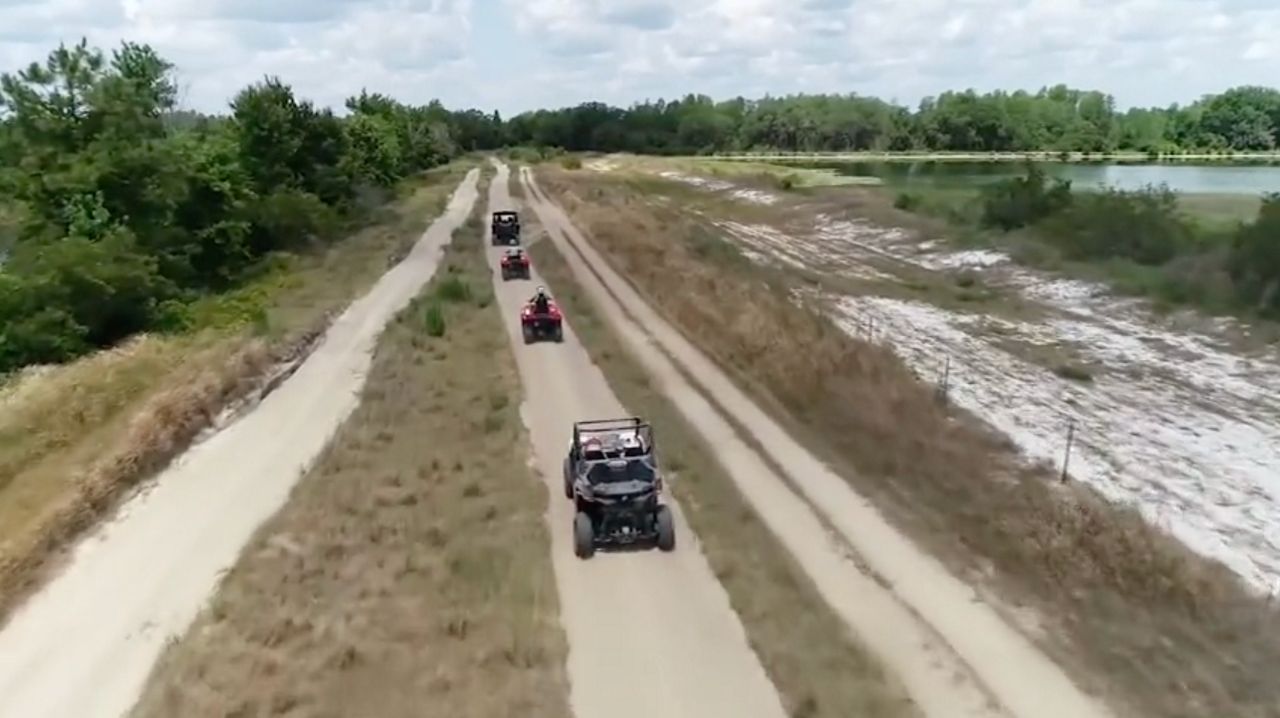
x: 584, y: 535
x: 666, y: 529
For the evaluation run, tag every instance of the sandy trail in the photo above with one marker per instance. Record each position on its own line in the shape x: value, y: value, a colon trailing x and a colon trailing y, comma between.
x: 650, y: 633
x: 954, y: 654
x: 83, y: 646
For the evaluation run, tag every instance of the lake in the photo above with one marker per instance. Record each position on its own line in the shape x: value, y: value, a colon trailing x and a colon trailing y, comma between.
x: 1233, y: 179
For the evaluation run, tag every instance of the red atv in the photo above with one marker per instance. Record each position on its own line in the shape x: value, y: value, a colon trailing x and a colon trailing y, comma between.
x: 514, y: 263
x: 541, y: 322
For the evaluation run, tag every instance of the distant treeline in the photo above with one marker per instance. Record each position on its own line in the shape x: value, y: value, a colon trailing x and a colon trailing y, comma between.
x: 1056, y: 119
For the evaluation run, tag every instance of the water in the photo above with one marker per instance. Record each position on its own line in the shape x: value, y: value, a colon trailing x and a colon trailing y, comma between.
x: 1233, y: 179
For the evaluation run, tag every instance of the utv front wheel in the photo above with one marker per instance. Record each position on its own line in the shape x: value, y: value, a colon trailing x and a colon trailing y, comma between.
x: 584, y: 535
x: 568, y: 478
x: 666, y: 529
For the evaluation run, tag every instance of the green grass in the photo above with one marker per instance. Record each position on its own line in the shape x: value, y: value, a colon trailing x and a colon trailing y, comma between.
x: 1220, y: 210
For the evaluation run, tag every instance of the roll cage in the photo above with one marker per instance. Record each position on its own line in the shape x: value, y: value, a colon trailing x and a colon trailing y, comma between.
x: 603, y: 439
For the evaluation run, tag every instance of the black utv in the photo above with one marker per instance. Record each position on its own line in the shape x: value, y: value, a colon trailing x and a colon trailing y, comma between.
x: 505, y: 228
x: 612, y: 476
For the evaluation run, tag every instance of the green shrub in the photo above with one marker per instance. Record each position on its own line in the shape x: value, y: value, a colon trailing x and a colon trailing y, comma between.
x: 1254, y: 262
x: 907, y: 201
x: 1074, y: 372
x: 1020, y: 201
x: 453, y: 288
x: 290, y: 219
x: 433, y: 320
x: 1143, y: 226
x: 571, y: 162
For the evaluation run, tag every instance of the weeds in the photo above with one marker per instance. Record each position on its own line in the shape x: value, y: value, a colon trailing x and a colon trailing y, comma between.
x: 1074, y: 372
x: 453, y: 289
x: 433, y: 320
x: 907, y: 201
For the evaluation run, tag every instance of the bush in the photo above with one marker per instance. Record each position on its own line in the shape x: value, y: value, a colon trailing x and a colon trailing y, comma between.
x: 1143, y: 226
x: 61, y: 298
x: 289, y: 219
x: 1254, y: 262
x: 433, y: 320
x: 1020, y: 201
x: 453, y: 289
x: 907, y: 201
x: 1074, y: 372
x: 571, y: 162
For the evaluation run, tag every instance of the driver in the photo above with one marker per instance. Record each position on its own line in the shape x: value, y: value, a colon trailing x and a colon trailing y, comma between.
x: 541, y: 302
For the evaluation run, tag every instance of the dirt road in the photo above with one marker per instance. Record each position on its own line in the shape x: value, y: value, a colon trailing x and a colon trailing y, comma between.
x: 954, y: 654
x: 650, y: 633
x: 84, y: 645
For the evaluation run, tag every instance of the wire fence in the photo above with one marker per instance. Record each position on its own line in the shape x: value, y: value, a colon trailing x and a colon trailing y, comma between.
x: 866, y: 328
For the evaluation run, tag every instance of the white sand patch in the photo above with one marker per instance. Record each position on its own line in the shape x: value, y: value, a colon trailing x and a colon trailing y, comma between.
x: 1174, y: 422
x: 700, y: 182
x: 972, y: 258
x: 744, y: 194
x: 755, y: 196
x: 1189, y: 439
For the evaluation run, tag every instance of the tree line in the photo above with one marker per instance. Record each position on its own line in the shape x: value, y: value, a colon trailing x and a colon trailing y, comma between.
x: 132, y: 209
x: 1053, y: 119
x: 119, y: 209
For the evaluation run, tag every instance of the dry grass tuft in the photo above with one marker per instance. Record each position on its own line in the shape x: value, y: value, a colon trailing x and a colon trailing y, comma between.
x: 819, y: 669
x: 75, y: 438
x: 405, y: 577
x: 1162, y: 630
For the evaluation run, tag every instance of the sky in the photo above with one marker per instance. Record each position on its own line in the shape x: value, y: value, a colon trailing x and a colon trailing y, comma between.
x: 517, y: 55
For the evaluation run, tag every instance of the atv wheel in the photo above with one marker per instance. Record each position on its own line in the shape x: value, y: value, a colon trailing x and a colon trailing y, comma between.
x: 568, y: 478
x: 558, y: 336
x: 666, y: 529
x: 584, y: 535
x: 528, y: 335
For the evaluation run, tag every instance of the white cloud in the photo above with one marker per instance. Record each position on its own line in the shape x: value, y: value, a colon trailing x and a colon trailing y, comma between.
x: 517, y: 54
